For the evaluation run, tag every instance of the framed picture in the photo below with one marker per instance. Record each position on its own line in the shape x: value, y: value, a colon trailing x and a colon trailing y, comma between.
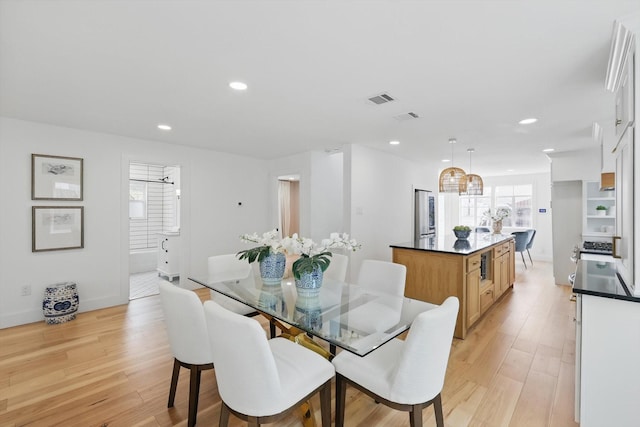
x: 56, y: 177
x: 54, y: 228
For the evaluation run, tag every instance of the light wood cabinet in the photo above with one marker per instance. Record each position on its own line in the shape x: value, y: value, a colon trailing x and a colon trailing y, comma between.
x: 501, y: 262
x: 473, y: 295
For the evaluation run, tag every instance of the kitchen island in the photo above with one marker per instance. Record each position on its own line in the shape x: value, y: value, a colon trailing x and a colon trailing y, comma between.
x: 478, y: 271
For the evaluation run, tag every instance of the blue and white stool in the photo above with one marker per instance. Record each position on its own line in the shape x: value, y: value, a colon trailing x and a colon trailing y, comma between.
x: 60, y: 303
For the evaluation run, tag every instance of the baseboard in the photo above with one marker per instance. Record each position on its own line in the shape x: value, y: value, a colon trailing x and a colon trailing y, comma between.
x: 31, y: 316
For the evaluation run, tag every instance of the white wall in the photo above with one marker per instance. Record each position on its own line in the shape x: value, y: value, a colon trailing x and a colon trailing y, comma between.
x: 212, y: 185
x: 576, y: 165
x: 379, y: 200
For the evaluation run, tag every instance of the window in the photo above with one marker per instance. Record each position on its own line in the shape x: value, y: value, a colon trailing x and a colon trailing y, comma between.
x: 472, y: 208
x: 518, y: 198
x: 137, y: 200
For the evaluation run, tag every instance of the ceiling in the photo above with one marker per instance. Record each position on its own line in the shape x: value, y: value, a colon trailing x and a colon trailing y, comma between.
x: 470, y: 69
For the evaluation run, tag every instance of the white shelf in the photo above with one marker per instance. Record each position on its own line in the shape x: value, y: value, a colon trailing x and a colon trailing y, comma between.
x: 597, y: 234
x: 601, y: 216
x: 602, y: 198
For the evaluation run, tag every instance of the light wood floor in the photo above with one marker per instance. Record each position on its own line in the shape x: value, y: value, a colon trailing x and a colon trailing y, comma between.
x: 112, y: 367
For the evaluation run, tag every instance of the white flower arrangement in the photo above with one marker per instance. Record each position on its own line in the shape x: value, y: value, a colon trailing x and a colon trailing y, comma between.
x: 269, y: 243
x: 500, y: 214
x: 307, y: 247
x: 314, y: 256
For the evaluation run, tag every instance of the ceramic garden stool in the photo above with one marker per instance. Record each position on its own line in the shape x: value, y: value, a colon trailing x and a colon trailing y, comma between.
x: 60, y: 303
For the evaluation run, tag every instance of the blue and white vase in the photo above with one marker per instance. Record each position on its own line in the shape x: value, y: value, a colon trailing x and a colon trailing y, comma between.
x: 308, y: 311
x: 272, y: 268
x: 309, y: 283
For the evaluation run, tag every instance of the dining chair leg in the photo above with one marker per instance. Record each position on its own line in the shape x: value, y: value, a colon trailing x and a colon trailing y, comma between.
x: 529, y: 253
x: 341, y: 394
x: 525, y: 264
x: 253, y: 422
x: 325, y: 404
x: 437, y: 407
x: 194, y: 392
x: 174, y: 383
x: 415, y: 416
x: 224, y: 415
x: 272, y: 329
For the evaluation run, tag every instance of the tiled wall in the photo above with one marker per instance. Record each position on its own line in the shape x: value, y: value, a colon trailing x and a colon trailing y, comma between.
x: 161, y: 205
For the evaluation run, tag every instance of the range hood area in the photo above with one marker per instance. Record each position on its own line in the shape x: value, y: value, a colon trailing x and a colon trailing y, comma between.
x: 607, y: 181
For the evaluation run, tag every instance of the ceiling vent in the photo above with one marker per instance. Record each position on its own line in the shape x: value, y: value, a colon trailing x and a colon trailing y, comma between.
x: 406, y: 116
x: 382, y: 98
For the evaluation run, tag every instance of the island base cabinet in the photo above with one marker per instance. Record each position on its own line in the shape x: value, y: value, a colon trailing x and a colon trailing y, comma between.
x: 609, y: 374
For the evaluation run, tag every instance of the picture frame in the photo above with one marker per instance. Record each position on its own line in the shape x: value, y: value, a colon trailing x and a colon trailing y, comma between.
x: 56, y: 177
x: 56, y: 228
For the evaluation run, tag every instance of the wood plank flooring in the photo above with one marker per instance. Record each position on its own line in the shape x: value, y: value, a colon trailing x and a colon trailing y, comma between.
x: 112, y: 367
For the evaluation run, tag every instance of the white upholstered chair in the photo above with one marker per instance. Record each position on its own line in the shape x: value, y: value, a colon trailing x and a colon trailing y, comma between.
x: 382, y: 276
x: 260, y: 380
x: 405, y: 375
x: 229, y: 267
x: 187, y: 330
x: 337, y: 269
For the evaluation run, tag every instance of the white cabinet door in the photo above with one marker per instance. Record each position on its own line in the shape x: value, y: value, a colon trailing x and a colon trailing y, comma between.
x: 168, y: 259
x: 624, y: 240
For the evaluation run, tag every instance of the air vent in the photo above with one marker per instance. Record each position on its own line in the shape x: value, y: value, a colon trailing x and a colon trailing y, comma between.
x: 406, y: 116
x: 382, y: 98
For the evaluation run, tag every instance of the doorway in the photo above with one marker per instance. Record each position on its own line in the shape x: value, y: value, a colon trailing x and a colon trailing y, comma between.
x: 289, y: 204
x: 154, y: 227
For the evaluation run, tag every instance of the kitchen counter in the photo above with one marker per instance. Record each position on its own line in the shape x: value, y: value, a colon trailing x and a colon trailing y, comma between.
x: 600, y: 279
x: 448, y: 243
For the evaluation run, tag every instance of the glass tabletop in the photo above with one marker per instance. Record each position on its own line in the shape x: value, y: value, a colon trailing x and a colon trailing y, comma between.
x: 345, y: 315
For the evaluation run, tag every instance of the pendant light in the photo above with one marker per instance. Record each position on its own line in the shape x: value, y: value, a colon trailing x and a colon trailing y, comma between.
x: 453, y: 179
x: 475, y: 186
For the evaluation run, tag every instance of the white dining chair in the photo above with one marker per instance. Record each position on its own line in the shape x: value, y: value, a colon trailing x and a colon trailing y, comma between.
x: 382, y: 276
x: 228, y: 267
x: 187, y: 330
x: 260, y: 380
x: 404, y: 375
x: 337, y: 269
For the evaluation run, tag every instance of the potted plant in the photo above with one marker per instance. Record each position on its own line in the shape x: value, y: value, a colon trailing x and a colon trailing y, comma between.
x: 601, y: 210
x: 461, y: 231
x: 314, y: 259
x: 269, y: 253
x: 497, y: 217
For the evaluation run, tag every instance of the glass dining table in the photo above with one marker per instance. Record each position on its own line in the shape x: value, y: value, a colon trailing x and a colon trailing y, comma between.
x: 346, y: 316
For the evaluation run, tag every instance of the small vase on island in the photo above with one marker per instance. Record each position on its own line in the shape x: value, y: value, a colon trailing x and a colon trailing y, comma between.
x: 497, y: 227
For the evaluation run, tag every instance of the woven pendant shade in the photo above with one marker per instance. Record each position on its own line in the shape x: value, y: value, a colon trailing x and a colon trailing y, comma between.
x: 453, y: 180
x: 475, y: 186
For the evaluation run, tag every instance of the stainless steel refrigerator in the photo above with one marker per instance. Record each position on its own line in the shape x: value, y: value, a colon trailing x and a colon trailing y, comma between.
x: 425, y: 214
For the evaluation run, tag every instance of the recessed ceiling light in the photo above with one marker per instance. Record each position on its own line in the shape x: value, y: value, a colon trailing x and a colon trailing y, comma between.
x: 164, y: 127
x: 510, y: 170
x: 238, y: 85
x: 446, y: 160
x: 548, y: 150
x: 528, y: 121
x: 394, y: 142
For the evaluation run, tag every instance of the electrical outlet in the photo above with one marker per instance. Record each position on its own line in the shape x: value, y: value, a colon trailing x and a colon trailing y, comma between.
x: 25, y: 290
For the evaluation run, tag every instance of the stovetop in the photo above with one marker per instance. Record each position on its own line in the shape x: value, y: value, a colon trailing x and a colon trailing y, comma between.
x: 597, y: 247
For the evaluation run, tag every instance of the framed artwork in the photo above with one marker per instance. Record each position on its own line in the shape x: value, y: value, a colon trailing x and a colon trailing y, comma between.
x: 56, y: 177
x: 55, y: 227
